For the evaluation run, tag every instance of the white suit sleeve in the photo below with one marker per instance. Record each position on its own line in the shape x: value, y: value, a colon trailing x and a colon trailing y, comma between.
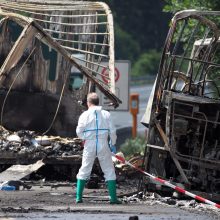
x: 112, y: 131
x: 81, y: 127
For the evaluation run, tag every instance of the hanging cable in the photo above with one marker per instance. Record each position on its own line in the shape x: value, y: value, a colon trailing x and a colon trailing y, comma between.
x: 58, y: 106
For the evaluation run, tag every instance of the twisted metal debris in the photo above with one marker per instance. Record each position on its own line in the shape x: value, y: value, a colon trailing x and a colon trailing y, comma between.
x: 24, y: 146
x: 50, y: 58
x: 69, y: 27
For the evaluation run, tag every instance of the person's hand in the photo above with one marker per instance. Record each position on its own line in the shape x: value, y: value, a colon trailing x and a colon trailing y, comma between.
x: 113, y: 149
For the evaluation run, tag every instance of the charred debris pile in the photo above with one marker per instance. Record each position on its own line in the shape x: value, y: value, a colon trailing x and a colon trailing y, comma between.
x: 25, y: 146
x: 62, y: 157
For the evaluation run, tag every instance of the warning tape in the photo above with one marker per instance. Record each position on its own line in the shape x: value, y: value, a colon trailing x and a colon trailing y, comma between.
x: 177, y: 188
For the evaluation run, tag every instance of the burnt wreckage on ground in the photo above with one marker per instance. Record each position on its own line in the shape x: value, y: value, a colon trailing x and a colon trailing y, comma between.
x: 183, y: 112
x: 50, y: 57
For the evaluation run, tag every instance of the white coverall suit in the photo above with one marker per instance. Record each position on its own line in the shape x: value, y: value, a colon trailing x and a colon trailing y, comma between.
x: 94, y: 126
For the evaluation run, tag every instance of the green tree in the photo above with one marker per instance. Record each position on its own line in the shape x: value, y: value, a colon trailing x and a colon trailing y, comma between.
x: 147, y: 63
x: 145, y: 21
x: 176, y: 5
x: 140, y: 26
x: 133, y: 147
x: 125, y: 45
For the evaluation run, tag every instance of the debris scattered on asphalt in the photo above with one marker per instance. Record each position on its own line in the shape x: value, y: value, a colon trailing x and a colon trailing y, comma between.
x: 155, y: 199
x: 15, y: 185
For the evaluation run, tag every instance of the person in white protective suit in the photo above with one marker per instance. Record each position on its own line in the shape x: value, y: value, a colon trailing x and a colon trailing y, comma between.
x: 94, y: 127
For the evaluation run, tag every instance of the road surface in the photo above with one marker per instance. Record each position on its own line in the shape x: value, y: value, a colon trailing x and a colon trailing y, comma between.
x: 44, y: 203
x: 123, y: 119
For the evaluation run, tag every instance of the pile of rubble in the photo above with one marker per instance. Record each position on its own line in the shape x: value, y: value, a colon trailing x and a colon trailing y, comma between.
x: 26, y: 145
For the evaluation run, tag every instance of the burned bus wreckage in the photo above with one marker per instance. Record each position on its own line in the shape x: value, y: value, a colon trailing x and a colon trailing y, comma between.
x: 183, y: 112
x: 50, y: 57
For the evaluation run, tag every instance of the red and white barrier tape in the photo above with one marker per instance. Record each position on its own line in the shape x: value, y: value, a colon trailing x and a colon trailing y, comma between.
x: 177, y: 188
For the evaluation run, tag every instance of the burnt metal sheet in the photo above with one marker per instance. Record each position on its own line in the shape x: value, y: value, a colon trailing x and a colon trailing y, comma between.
x: 17, y: 172
x: 44, y: 35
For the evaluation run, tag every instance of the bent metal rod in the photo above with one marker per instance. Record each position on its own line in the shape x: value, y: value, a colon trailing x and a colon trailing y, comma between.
x: 167, y: 183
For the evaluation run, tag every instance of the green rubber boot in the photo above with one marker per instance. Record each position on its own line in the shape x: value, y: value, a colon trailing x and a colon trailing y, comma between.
x: 112, y: 192
x: 79, y: 190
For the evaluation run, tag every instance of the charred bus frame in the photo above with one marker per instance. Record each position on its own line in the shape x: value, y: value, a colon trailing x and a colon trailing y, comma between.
x: 183, y: 142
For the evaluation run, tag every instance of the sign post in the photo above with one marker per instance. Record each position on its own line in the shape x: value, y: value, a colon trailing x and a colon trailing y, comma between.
x: 134, y: 109
x: 122, y: 69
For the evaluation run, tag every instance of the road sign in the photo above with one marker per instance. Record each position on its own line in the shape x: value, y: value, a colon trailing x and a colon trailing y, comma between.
x: 122, y: 69
x: 105, y: 75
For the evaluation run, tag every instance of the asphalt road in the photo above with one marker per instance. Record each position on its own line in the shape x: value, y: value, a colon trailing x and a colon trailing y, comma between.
x: 44, y: 203
x: 124, y: 118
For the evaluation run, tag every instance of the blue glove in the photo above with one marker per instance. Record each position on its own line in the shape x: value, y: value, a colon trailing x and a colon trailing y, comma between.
x: 113, y: 149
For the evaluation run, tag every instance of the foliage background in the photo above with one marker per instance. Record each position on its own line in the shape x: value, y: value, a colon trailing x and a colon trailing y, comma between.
x: 133, y: 147
x: 141, y: 27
